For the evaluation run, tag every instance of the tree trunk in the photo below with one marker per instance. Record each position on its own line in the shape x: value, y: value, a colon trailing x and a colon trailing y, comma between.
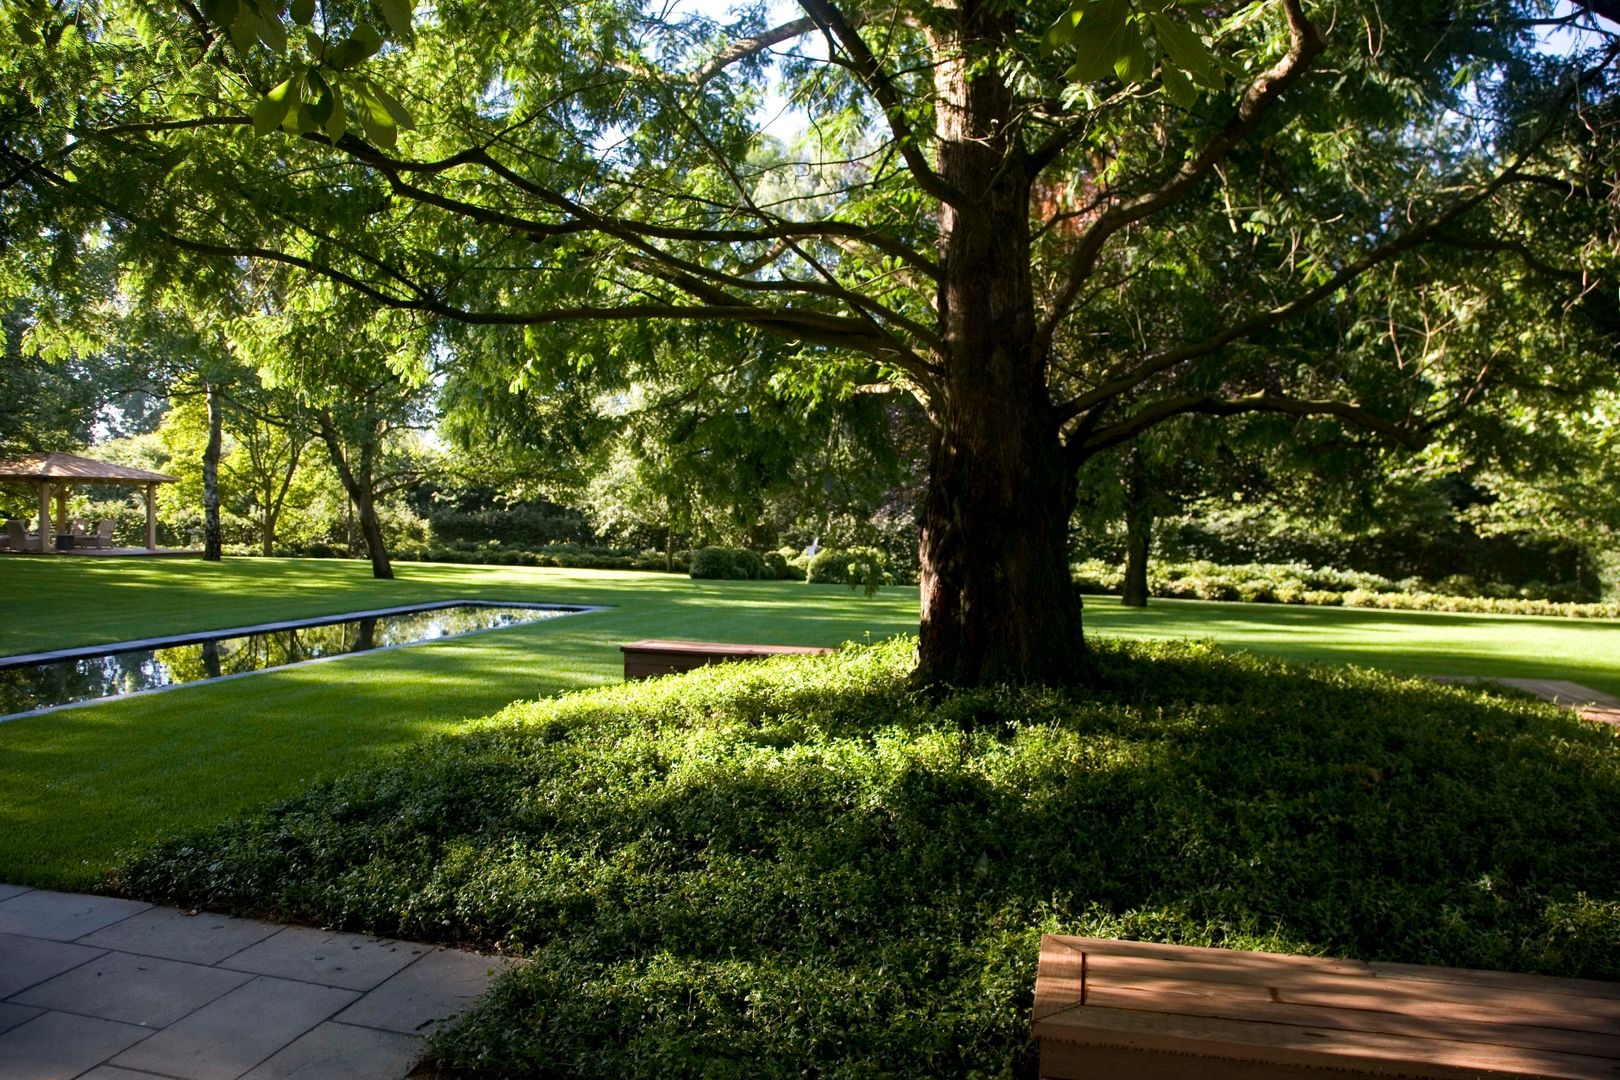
x: 361, y: 499
x: 998, y: 602
x: 1138, y: 531
x: 212, y: 541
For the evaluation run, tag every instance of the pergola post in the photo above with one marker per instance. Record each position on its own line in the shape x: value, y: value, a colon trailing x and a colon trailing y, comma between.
x: 62, y: 493
x: 151, y: 517
x: 47, y: 544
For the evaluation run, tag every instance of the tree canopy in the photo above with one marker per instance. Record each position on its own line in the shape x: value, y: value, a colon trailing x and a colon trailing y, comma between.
x: 1057, y: 226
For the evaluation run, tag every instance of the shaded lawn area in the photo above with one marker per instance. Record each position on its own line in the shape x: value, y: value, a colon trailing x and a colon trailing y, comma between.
x: 78, y: 785
x: 804, y: 868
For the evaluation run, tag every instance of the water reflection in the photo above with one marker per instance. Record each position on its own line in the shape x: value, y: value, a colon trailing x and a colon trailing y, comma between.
x: 63, y: 682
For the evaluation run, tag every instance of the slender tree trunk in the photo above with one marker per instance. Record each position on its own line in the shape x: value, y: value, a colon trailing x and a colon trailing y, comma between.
x: 212, y: 541
x: 358, y: 486
x: 998, y: 602
x: 1138, y: 531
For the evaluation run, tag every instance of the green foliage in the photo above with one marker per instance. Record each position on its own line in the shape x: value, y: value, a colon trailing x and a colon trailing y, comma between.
x: 740, y: 564
x: 857, y: 567
x: 1297, y: 583
x: 803, y: 866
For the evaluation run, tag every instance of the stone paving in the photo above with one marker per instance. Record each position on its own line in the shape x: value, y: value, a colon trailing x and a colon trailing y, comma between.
x: 108, y: 989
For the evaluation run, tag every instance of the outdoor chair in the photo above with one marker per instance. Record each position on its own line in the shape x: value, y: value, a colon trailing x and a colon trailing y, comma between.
x: 101, y: 538
x: 18, y: 539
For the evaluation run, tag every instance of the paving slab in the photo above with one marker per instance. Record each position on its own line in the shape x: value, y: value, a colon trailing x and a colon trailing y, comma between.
x: 352, y: 961
x: 419, y: 999
x: 26, y: 961
x: 354, y: 1053
x: 55, y: 1046
x: 12, y: 1015
x: 134, y: 989
x: 113, y: 1072
x: 62, y: 916
x: 8, y: 891
x: 232, y: 1034
x: 179, y: 935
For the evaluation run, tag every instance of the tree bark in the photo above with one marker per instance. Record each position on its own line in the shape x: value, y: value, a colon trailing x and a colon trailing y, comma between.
x: 998, y: 602
x: 1138, y: 531
x: 358, y: 484
x: 213, y: 545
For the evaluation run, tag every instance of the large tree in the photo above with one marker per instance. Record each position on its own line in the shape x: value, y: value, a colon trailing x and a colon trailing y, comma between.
x: 1057, y: 229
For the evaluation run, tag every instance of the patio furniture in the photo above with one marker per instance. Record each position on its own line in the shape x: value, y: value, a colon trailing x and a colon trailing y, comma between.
x: 1129, y: 1009
x: 17, y: 538
x: 645, y: 659
x: 101, y: 538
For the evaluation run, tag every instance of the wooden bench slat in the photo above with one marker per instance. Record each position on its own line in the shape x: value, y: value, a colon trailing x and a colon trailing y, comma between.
x: 1387, y: 993
x: 1506, y: 980
x: 1288, y: 1046
x: 1484, y: 1026
x: 656, y: 656
x: 1135, y: 1009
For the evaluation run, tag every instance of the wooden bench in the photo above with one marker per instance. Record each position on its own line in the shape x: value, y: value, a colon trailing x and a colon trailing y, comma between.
x: 1111, y: 1010
x: 644, y: 659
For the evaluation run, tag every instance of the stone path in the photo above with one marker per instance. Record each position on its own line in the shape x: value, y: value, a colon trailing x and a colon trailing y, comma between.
x: 1592, y: 704
x: 107, y: 989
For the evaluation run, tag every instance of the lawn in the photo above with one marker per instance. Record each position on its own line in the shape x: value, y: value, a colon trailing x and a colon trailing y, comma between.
x: 78, y: 786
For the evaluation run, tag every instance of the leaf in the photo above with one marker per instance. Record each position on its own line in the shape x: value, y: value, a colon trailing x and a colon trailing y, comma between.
x: 367, y: 38
x: 1177, y: 87
x: 400, y: 114
x: 1188, y: 49
x: 337, y: 123
x: 378, y: 122
x: 302, y: 11
x: 1132, y: 65
x: 271, y: 110
x: 222, y: 13
x: 1060, y: 33
x: 271, y: 33
x: 244, y: 31
x: 397, y: 14
x: 1099, y: 39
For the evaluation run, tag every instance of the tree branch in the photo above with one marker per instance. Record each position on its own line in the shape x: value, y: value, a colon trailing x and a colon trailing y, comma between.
x: 1181, y: 404
x: 877, y: 81
x: 1305, y: 43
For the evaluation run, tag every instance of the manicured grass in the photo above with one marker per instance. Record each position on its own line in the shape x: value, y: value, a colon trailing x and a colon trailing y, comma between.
x: 1586, y: 651
x: 78, y: 785
x: 805, y: 868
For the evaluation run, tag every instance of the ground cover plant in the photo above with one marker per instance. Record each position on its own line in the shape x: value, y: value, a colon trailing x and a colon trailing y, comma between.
x: 806, y: 868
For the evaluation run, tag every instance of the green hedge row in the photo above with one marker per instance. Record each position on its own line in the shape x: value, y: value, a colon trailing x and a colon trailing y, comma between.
x: 1295, y: 583
x: 857, y: 567
x: 572, y: 556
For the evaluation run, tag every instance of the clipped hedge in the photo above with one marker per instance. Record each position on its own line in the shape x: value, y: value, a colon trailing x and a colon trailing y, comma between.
x: 1295, y: 583
x: 857, y: 567
x: 804, y: 868
x: 561, y: 555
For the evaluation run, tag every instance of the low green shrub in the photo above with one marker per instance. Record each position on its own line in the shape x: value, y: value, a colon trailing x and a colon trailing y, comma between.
x: 857, y: 567
x: 804, y: 867
x: 1295, y: 583
x: 714, y: 563
x: 558, y: 555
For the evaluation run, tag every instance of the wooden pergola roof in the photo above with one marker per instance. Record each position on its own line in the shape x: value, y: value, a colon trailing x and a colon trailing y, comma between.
x: 72, y: 469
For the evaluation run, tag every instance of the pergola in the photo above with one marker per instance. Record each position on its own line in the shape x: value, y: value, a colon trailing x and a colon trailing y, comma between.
x: 57, y: 474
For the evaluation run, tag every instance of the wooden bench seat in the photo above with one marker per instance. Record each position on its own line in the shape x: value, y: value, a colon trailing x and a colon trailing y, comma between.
x: 1123, y: 1009
x: 644, y: 659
